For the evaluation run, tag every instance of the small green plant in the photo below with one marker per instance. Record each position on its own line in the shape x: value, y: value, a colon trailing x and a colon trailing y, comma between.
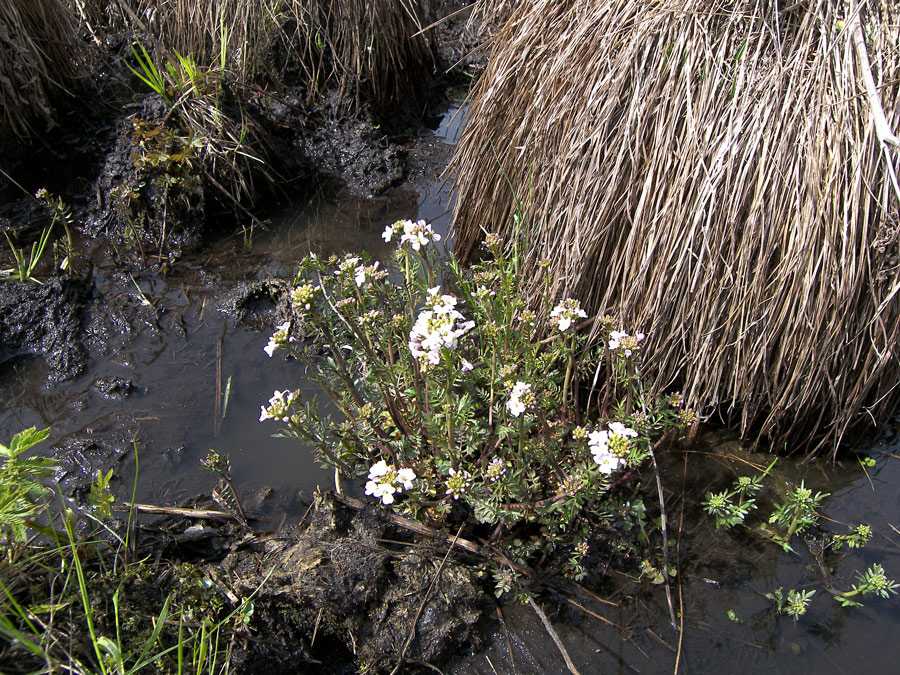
x: 26, y: 263
x: 797, y: 514
x: 727, y: 511
x: 458, y: 401
x: 873, y: 582
x: 857, y: 537
x: 147, y: 72
x: 794, y: 604
x: 102, y: 499
x: 22, y: 490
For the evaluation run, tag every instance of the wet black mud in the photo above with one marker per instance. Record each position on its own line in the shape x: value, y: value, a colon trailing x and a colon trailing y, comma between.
x: 46, y: 320
x: 352, y: 600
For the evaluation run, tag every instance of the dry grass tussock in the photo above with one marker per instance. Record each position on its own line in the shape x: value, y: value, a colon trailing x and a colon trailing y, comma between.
x: 366, y: 47
x: 38, y: 57
x: 710, y: 174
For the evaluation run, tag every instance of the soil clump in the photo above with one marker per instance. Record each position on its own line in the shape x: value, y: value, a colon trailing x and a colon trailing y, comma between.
x: 366, y: 600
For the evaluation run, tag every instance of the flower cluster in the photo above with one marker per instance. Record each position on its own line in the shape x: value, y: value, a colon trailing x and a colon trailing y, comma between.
x: 520, y: 398
x: 609, y: 447
x: 457, y: 483
x: 416, y: 234
x: 281, y: 338
x: 366, y: 273
x: 566, y: 312
x: 438, y: 326
x: 495, y: 469
x: 622, y: 341
x: 347, y: 265
x: 386, y: 481
x: 303, y: 296
x: 279, y: 406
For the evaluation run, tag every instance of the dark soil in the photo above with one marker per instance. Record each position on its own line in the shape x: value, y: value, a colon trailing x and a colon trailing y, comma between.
x: 339, y: 598
x: 47, y: 320
x: 352, y: 601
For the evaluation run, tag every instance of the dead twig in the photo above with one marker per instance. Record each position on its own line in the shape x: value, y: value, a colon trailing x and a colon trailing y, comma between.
x: 178, y: 511
x: 549, y: 627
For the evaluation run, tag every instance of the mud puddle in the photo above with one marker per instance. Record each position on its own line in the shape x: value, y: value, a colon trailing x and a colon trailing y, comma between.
x: 176, y: 363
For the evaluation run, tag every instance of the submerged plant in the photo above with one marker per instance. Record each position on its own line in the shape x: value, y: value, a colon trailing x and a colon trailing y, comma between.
x: 453, y: 393
x: 797, y: 514
x: 794, y: 604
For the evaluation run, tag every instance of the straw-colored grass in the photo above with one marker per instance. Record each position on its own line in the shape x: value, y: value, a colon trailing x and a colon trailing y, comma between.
x: 709, y: 174
x: 38, y: 59
x: 368, y: 48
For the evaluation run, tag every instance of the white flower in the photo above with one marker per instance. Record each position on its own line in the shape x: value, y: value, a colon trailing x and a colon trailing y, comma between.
x: 437, y: 327
x: 466, y: 366
x: 279, y: 339
x: 383, y: 491
x: 378, y: 470
x: 279, y: 406
x: 418, y: 234
x: 628, y: 344
x: 520, y: 399
x: 606, y: 464
x: 566, y: 313
x: 406, y: 476
x: 391, y: 230
x: 516, y: 407
x: 609, y: 447
x: 364, y: 273
x: 348, y: 264
x: 615, y: 338
x: 619, y: 429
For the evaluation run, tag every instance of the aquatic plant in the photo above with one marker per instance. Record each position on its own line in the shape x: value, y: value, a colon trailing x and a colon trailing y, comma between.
x: 797, y: 513
x: 457, y: 403
x: 722, y: 172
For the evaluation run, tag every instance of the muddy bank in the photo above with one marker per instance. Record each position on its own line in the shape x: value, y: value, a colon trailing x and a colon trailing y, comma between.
x: 354, y: 593
x: 46, y: 320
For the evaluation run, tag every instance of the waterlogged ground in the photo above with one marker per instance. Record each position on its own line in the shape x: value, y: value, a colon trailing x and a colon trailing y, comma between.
x: 724, y: 574
x: 186, y: 374
x: 179, y: 372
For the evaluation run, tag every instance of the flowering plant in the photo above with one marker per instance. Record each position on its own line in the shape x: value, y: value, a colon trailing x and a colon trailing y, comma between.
x: 459, y: 402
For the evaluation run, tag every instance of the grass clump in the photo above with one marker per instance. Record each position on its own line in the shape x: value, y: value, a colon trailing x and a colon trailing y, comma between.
x: 78, y: 595
x: 459, y: 405
x: 39, y: 59
x: 716, y: 172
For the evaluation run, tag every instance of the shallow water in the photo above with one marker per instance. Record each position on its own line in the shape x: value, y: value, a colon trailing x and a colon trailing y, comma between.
x: 720, y: 571
x: 186, y: 351
x: 186, y: 345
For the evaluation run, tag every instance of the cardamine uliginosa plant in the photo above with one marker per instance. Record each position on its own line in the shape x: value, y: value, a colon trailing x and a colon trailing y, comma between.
x: 458, y: 401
